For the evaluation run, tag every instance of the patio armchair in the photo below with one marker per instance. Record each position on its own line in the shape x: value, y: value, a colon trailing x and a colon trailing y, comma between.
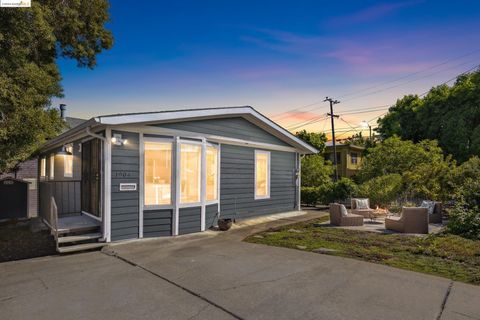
x: 365, y: 212
x: 345, y: 219
x: 436, y: 216
x: 412, y: 220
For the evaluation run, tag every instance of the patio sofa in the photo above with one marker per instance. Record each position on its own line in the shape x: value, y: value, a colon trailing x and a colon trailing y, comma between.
x: 412, y: 220
x: 345, y: 219
x: 365, y: 212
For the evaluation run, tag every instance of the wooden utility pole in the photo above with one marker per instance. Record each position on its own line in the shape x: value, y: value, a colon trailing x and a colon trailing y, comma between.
x: 332, y: 115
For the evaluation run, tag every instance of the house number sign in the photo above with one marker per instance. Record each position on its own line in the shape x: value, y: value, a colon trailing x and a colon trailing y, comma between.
x: 128, y: 187
x: 123, y: 174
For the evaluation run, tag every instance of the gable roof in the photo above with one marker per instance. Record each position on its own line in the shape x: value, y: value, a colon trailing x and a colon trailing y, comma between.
x: 146, y: 118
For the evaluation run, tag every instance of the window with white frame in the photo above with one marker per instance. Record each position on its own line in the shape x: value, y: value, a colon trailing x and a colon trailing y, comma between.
x: 190, y: 172
x: 52, y: 167
x: 43, y: 167
x: 262, y: 174
x: 68, y: 162
x: 157, y: 173
x: 212, y: 173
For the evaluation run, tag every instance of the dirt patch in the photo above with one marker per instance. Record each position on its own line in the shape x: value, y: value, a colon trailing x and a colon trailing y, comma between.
x: 18, y: 242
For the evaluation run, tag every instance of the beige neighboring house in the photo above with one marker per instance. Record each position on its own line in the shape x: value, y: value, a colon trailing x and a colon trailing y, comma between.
x: 349, y: 158
x: 29, y: 171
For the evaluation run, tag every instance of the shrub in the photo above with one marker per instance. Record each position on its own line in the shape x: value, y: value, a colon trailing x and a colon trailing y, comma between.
x: 310, y: 195
x: 382, y: 190
x: 465, y: 215
x: 341, y: 190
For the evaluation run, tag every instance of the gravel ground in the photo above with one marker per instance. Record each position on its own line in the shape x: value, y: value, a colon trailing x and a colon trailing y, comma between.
x: 18, y: 242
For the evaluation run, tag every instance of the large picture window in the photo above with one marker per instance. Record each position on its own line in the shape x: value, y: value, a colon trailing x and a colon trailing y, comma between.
x: 262, y: 174
x: 158, y: 173
x: 190, y: 172
x: 212, y: 173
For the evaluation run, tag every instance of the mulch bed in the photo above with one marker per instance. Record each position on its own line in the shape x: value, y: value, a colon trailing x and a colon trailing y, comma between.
x: 18, y: 242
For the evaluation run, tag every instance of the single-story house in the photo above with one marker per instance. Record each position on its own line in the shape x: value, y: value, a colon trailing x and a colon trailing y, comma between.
x: 167, y: 173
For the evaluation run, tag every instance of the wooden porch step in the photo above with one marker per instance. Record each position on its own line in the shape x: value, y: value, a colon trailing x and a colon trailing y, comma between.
x: 80, y: 237
x: 81, y: 247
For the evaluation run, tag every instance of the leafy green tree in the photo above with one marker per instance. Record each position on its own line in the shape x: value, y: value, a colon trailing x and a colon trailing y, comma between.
x: 425, y: 172
x: 450, y: 115
x: 395, y: 155
x: 316, y: 171
x: 382, y: 190
x: 31, y: 41
x: 315, y: 139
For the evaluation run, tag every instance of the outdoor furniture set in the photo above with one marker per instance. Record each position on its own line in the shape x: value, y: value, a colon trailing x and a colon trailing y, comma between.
x: 412, y: 219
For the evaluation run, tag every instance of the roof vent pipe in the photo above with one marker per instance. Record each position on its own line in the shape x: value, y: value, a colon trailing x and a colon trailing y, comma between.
x: 63, y: 111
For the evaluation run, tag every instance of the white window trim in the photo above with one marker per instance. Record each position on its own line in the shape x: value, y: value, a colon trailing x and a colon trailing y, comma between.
x: 142, y: 173
x: 268, y: 175
x: 51, y: 174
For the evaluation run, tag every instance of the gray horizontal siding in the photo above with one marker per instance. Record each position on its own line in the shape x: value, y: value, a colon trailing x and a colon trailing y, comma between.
x: 189, y: 220
x: 157, y: 223
x: 235, y: 127
x: 237, y: 198
x: 125, y: 204
x: 211, y: 215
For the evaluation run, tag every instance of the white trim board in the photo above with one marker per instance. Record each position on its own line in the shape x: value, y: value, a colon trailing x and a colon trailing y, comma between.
x: 181, y: 115
x: 200, y: 136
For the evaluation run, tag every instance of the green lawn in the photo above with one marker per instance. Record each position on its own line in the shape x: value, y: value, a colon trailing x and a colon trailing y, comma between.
x: 442, y: 255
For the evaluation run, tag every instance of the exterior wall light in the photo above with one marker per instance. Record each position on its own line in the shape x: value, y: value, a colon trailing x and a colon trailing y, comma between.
x: 64, y: 152
x: 117, y: 140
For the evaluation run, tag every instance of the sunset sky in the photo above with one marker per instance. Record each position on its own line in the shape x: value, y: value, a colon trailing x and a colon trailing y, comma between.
x: 276, y: 56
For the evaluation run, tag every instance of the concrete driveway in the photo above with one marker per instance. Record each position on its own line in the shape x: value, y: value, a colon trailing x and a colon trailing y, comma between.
x: 216, y: 276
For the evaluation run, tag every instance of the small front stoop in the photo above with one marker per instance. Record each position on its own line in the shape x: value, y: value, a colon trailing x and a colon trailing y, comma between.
x: 79, y: 241
x: 80, y: 233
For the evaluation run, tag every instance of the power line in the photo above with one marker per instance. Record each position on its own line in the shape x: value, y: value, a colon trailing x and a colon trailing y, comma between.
x: 407, y: 82
x: 426, y: 92
x: 380, y: 84
x: 411, y: 74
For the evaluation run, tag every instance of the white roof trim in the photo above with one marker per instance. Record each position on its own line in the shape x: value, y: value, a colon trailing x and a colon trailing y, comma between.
x: 205, y: 113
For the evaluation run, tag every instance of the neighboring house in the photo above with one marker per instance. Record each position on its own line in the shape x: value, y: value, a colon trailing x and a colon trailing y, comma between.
x: 349, y: 158
x: 169, y: 173
x: 29, y: 170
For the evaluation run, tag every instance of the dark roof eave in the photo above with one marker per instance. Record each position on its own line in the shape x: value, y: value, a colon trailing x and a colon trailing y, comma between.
x: 68, y: 134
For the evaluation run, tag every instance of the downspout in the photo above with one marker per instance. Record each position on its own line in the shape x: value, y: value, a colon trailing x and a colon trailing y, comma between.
x: 105, y: 140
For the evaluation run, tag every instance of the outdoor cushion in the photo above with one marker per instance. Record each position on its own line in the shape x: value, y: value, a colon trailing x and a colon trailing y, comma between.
x: 430, y: 205
x: 362, y: 204
x: 343, y: 210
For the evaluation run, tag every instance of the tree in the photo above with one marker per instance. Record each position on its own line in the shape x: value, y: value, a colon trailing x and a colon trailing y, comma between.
x: 316, y: 171
x: 382, y: 190
x: 317, y: 140
x: 450, y: 115
x: 395, y: 155
x: 424, y: 170
x: 31, y: 40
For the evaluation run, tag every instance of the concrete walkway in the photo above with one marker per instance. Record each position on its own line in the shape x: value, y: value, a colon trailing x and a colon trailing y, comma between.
x: 216, y: 276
